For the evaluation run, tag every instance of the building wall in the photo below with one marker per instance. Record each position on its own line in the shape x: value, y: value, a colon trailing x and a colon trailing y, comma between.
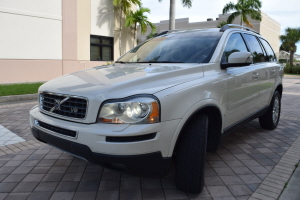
x: 41, y: 39
x: 31, y: 29
x: 268, y: 27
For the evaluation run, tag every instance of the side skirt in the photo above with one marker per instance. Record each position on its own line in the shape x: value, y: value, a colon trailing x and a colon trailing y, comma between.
x: 246, y: 120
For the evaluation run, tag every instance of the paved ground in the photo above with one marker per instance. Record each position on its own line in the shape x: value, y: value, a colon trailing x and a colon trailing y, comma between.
x: 292, y: 190
x: 32, y: 170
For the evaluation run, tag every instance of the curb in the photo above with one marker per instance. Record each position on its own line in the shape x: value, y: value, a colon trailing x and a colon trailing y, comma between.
x: 273, y: 185
x: 18, y: 98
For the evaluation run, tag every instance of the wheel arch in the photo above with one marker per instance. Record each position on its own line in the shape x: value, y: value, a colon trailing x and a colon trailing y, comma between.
x: 213, y: 111
x: 279, y: 88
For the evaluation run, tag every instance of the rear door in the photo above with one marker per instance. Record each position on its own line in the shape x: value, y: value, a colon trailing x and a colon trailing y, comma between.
x: 265, y: 70
x: 242, y: 83
x: 270, y: 71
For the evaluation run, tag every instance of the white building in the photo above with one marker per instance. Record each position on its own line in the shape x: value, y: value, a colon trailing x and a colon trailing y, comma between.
x: 43, y: 39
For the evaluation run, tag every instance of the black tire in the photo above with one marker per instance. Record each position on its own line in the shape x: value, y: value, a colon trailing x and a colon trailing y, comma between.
x: 190, y: 155
x: 271, y: 118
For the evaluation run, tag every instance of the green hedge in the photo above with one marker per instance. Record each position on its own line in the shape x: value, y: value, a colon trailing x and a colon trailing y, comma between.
x: 292, y: 70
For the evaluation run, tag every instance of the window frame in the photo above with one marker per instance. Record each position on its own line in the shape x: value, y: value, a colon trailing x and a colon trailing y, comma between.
x: 261, y: 46
x: 223, y: 50
x: 101, y: 45
x: 259, y: 39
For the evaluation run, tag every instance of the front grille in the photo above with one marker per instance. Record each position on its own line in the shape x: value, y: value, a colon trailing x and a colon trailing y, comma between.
x: 74, y: 107
x: 137, y: 138
x: 56, y: 129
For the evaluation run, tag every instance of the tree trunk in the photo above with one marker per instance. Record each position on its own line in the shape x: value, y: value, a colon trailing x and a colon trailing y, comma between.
x: 134, y: 34
x: 241, y: 20
x: 172, y: 15
x: 120, y: 33
x: 291, y: 60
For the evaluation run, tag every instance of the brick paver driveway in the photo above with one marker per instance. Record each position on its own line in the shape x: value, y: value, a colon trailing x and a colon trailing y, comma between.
x: 32, y: 170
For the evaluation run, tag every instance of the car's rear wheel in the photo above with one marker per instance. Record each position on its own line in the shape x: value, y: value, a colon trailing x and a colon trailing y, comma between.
x: 190, y: 155
x: 271, y: 118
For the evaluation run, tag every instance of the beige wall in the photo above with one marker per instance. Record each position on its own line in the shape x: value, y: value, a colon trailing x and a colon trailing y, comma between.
x: 53, y: 50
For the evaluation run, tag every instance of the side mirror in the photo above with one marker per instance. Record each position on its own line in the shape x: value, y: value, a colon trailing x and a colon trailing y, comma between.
x: 238, y: 59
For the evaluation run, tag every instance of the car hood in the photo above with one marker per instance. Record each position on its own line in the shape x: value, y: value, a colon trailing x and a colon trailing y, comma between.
x: 123, y: 80
x: 120, y: 81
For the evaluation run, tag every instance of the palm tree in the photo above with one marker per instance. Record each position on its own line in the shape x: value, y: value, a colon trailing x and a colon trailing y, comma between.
x: 221, y: 24
x: 289, y: 41
x: 244, y: 8
x: 185, y: 3
x: 123, y: 7
x: 139, y: 17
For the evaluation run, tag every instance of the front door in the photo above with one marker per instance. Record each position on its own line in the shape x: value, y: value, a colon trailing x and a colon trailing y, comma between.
x: 242, y: 83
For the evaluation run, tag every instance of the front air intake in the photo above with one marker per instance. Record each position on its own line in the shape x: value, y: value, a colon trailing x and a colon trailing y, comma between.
x: 137, y: 138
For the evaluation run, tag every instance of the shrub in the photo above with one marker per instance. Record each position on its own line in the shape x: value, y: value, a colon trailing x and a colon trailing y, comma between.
x: 287, y: 69
x: 296, y: 69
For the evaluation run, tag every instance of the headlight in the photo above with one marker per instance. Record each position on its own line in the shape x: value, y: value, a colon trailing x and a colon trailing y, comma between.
x: 134, y: 110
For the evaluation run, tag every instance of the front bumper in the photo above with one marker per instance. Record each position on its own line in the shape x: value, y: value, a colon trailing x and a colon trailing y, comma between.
x: 148, y: 157
x: 152, y: 164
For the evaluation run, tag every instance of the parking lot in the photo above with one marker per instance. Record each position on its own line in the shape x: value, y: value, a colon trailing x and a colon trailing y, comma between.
x: 32, y: 170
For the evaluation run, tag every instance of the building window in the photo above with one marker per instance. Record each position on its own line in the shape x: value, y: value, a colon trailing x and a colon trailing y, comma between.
x: 102, y: 48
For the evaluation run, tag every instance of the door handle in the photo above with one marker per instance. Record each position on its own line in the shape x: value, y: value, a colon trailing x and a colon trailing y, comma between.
x: 255, y: 75
x: 273, y: 71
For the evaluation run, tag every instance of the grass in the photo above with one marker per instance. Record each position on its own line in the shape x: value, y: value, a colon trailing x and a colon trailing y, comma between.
x: 17, y: 89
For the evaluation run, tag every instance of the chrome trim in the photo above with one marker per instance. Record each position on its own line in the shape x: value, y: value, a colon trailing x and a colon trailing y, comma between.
x: 36, y: 124
x: 64, y: 95
x: 34, y: 107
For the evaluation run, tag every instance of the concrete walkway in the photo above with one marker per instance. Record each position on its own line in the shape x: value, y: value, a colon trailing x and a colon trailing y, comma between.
x: 292, y: 191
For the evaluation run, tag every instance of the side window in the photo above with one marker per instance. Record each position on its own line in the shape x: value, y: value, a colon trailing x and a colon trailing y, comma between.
x: 235, y: 43
x: 270, y: 53
x: 256, y: 50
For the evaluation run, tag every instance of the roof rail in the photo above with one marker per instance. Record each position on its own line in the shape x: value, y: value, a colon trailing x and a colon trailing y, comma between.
x: 177, y: 30
x: 228, y: 26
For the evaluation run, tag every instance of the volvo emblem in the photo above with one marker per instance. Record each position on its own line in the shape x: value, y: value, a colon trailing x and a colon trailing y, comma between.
x: 74, y: 110
x: 58, y: 103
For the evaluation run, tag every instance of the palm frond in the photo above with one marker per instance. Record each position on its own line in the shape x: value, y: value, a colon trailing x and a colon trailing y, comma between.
x: 232, y: 17
x: 187, y: 3
x: 246, y: 21
x: 229, y: 7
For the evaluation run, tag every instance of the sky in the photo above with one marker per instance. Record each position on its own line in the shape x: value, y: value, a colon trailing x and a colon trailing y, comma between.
x: 286, y: 12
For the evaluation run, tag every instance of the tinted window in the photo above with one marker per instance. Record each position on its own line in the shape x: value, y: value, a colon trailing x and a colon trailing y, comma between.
x: 235, y: 43
x: 270, y: 53
x: 256, y: 50
x: 188, y: 47
x: 101, y: 48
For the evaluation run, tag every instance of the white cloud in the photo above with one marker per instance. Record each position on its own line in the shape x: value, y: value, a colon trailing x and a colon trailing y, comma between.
x: 287, y: 12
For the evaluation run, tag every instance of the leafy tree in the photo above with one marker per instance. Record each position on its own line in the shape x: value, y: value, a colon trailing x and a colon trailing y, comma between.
x: 289, y: 41
x: 185, y: 3
x: 221, y: 24
x: 123, y: 7
x: 152, y: 35
x: 243, y: 8
x: 139, y: 17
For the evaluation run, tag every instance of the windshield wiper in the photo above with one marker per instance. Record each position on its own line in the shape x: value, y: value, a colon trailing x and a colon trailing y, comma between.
x: 159, y: 62
x: 121, y: 62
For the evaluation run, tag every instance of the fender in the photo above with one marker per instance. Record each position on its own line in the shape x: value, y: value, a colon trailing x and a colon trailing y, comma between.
x: 195, y: 108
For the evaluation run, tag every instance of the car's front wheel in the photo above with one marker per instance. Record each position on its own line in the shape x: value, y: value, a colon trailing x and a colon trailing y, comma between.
x: 270, y: 119
x: 190, y: 155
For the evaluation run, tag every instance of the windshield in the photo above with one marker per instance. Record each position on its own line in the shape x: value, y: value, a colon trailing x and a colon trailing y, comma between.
x: 188, y: 47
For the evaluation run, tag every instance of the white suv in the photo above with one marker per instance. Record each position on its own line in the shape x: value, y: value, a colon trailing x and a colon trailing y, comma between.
x: 170, y: 98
